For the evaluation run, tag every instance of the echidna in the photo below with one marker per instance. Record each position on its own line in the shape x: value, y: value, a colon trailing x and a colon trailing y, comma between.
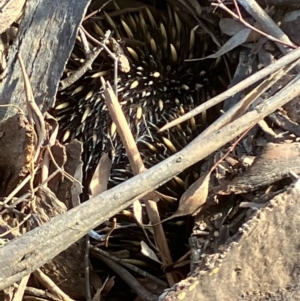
x: 159, y: 87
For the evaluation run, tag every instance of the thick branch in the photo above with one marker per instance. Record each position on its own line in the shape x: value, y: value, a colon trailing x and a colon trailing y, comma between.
x: 32, y: 250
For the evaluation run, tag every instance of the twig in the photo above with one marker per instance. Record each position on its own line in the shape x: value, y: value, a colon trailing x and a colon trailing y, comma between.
x: 114, y: 225
x: 19, y: 187
x: 17, y: 227
x: 28, y: 252
x: 19, y: 294
x: 268, y: 24
x: 50, y: 285
x: 39, y: 293
x: 96, y: 11
x: 26, y: 195
x: 240, y: 18
x: 32, y: 107
x: 87, y: 268
x: 90, y: 58
x: 287, y: 59
x: 132, y: 267
x: 13, y: 106
x: 137, y: 167
x: 111, y: 54
x: 68, y: 176
x: 129, y: 279
x: 243, y: 105
x: 46, y: 159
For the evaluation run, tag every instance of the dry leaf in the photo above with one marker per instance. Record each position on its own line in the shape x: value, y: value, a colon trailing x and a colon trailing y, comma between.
x: 195, y: 196
x: 104, y: 289
x: 156, y: 196
x: 149, y: 252
x: 232, y: 43
x: 230, y: 27
x: 138, y: 212
x: 191, y: 201
x: 101, y: 175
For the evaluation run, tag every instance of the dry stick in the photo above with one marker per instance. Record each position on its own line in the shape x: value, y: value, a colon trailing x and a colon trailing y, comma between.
x: 40, y: 294
x: 287, y: 59
x: 131, y: 281
x: 112, y: 229
x: 87, y: 268
x: 285, y: 41
x: 90, y: 58
x: 51, y: 286
x: 19, y: 294
x: 266, y: 23
x: 137, y: 166
x: 35, y: 116
x: 96, y: 11
x: 95, y: 251
x: 110, y: 53
x: 27, y: 253
x: 17, y: 227
x: 33, y: 109
x: 19, y: 187
x: 242, y: 106
x: 67, y: 82
x: 20, y: 111
x: 46, y: 159
x: 26, y: 195
x: 68, y: 176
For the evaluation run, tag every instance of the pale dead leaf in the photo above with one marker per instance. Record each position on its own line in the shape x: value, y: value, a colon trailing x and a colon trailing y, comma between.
x: 108, y: 285
x: 149, y: 252
x: 195, y: 196
x: 138, y: 212
x: 101, y: 175
x: 192, y: 200
x: 232, y: 43
x: 156, y: 196
x: 104, y: 289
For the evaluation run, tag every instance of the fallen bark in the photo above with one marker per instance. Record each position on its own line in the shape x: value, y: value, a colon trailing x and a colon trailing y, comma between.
x: 45, y: 40
x: 260, y: 263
